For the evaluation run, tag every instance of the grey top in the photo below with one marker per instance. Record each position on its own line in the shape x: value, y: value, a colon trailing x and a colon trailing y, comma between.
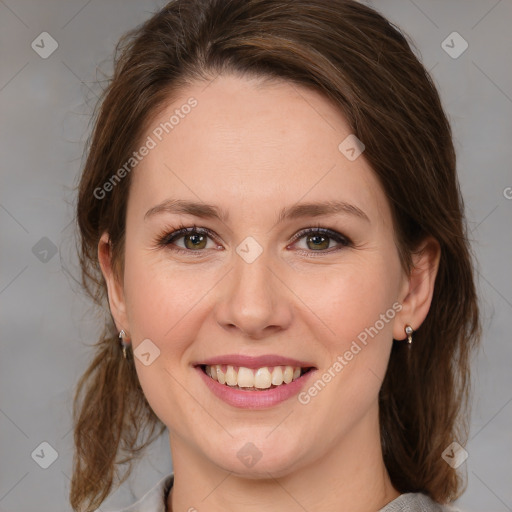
x: 155, y: 501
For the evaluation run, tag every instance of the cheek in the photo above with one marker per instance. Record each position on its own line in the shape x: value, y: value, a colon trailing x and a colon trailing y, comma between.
x: 164, y: 305
x: 164, y: 301
x: 352, y: 298
x: 357, y: 308
x: 150, y: 297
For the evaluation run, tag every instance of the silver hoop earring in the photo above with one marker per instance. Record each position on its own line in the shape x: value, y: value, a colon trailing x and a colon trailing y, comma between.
x: 124, y: 343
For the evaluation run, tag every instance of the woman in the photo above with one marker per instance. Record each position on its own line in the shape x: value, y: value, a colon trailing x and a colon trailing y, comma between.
x: 270, y: 205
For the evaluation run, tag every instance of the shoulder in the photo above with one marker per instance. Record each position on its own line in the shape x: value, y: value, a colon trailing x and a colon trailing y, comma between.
x: 154, y: 500
x: 416, y: 502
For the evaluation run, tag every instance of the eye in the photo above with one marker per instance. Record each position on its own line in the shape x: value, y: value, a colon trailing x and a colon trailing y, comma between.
x: 320, y: 240
x: 194, y: 239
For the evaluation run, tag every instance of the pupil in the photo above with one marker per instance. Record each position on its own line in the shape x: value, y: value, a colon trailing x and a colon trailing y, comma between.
x: 317, y: 240
x: 196, y: 239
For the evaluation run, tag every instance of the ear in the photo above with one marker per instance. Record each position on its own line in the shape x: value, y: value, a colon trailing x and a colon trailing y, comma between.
x: 114, y: 286
x: 418, y: 288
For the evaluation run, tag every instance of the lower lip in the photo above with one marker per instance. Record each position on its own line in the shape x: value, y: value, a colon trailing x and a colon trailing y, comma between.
x: 255, y: 399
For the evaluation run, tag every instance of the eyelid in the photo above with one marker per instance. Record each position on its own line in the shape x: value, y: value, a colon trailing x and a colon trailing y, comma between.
x: 321, y: 231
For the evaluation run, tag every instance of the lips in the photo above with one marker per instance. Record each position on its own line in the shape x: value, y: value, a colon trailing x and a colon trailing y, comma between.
x: 249, y: 387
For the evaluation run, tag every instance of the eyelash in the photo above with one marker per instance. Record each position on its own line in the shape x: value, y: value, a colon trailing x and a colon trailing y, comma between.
x: 166, y: 239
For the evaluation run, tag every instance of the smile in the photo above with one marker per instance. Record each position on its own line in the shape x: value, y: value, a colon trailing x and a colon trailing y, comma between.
x: 254, y: 379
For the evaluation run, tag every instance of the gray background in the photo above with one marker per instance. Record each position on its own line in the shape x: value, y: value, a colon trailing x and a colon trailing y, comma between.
x: 46, y: 322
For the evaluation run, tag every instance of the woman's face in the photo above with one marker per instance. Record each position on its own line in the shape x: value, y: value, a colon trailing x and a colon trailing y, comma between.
x: 258, y: 283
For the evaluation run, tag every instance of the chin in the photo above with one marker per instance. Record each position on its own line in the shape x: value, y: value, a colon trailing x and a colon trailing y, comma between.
x: 257, y: 460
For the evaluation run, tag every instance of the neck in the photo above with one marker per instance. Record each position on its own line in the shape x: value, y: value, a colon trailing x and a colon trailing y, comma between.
x: 349, y: 476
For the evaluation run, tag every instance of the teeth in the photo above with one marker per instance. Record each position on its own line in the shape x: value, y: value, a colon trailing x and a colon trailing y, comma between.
x: 221, y: 376
x: 231, y: 377
x: 261, y: 378
x: 245, y: 378
x: 277, y: 376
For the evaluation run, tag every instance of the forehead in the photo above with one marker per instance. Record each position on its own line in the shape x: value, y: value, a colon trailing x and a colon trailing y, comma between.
x: 247, y: 144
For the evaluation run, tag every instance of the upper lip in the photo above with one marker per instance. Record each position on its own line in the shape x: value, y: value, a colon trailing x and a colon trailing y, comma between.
x: 254, y: 361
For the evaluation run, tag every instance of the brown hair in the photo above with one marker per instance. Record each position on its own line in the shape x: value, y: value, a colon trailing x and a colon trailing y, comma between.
x: 355, y: 57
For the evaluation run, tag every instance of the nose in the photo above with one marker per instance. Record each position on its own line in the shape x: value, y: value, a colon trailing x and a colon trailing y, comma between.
x: 254, y: 301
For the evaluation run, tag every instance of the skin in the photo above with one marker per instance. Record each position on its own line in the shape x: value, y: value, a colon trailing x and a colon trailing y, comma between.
x: 252, y: 147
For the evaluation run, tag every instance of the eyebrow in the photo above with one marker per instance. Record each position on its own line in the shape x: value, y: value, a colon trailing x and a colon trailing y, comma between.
x: 204, y: 210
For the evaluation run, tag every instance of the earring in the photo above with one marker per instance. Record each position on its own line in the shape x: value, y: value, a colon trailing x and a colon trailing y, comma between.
x: 409, y: 330
x: 124, y: 343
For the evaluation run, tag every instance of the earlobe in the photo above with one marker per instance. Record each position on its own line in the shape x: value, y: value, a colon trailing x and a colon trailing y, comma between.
x: 418, y: 287
x: 114, y: 287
